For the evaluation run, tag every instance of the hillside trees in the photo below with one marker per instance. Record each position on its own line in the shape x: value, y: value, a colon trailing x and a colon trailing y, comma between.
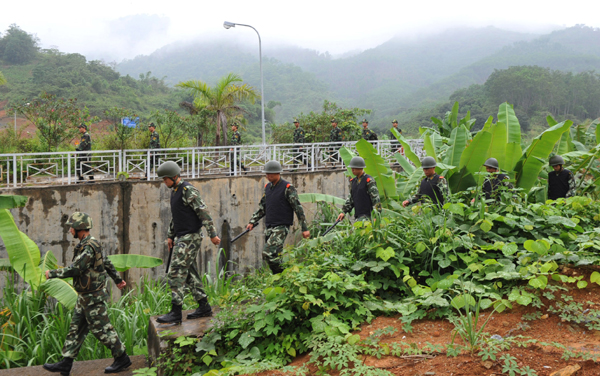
x: 224, y: 99
x: 17, y: 46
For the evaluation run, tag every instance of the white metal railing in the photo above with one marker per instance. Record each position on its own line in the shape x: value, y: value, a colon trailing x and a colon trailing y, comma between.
x: 61, y: 168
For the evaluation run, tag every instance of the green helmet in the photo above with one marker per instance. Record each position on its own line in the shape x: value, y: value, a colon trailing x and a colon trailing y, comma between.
x: 273, y: 167
x: 357, y: 162
x: 428, y: 162
x: 557, y: 160
x: 80, y: 221
x: 169, y: 169
x: 491, y: 162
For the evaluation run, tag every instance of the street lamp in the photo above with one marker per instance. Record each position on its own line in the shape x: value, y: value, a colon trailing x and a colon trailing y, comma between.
x: 228, y: 25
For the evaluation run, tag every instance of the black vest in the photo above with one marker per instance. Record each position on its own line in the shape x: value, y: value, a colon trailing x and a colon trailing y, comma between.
x: 430, y: 188
x: 360, y: 196
x: 491, y: 185
x: 278, y: 210
x: 558, y: 184
x: 185, y: 219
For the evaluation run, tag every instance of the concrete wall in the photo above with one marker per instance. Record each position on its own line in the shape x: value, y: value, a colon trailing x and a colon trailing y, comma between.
x: 133, y: 217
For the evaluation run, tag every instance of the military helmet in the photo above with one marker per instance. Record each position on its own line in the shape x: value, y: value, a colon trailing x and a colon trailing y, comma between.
x: 557, y: 160
x: 365, y: 121
x: 273, y: 167
x: 296, y: 121
x: 80, y: 221
x: 151, y: 125
x: 235, y: 124
x: 428, y: 162
x: 333, y: 120
x: 169, y: 169
x: 82, y: 126
x: 357, y: 162
x: 492, y: 162
x: 395, y: 121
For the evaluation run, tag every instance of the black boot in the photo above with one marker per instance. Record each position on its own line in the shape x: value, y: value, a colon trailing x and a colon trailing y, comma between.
x: 64, y: 366
x: 119, y: 364
x: 172, y: 317
x: 203, y: 310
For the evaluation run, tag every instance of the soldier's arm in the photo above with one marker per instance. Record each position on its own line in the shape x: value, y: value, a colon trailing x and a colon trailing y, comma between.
x: 572, y: 186
x: 81, y: 263
x: 349, y: 204
x: 292, y: 196
x: 111, y: 271
x: 191, y: 197
x: 86, y: 142
x: 259, y: 213
x: 157, y: 140
x: 171, y: 232
x: 374, y: 194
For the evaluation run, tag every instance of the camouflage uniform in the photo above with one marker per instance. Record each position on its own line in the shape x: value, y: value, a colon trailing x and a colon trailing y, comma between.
x: 335, y: 136
x: 275, y: 236
x: 491, y: 185
x: 185, y: 249
x: 154, y: 144
x: 90, y: 313
x: 435, y: 182
x: 395, y: 145
x: 368, y: 134
x: 299, y: 156
x: 372, y: 192
x: 84, y: 145
x: 236, y: 139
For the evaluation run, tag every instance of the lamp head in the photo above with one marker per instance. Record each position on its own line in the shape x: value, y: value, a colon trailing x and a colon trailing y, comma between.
x: 228, y: 24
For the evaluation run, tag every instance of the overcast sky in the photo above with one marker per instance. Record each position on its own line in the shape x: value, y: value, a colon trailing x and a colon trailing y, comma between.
x: 116, y: 29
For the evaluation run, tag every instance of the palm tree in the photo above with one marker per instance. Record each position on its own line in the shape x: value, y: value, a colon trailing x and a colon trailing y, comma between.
x: 222, y: 99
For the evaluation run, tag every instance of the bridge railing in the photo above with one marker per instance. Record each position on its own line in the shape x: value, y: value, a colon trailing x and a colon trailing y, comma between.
x: 63, y: 168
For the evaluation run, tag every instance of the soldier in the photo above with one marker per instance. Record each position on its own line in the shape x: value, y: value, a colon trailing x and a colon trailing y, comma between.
x: 368, y: 134
x: 298, y: 139
x: 278, y: 204
x: 184, y: 238
x: 335, y: 136
x: 154, y: 144
x: 494, y: 180
x: 396, y: 147
x: 432, y: 186
x: 89, y: 271
x: 84, y: 145
x: 363, y: 192
x: 561, y: 182
x: 236, y: 140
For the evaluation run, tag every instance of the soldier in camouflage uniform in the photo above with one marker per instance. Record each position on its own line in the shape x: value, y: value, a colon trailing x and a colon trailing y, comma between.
x: 190, y: 214
x: 395, y: 145
x: 364, y: 194
x: 335, y: 136
x: 299, y: 156
x: 433, y: 187
x: 494, y: 181
x: 84, y: 145
x: 236, y: 139
x: 368, y: 134
x: 278, y: 204
x: 89, y: 272
x: 561, y: 182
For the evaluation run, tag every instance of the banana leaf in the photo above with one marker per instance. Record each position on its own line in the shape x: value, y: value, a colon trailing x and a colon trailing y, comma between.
x: 315, y: 197
x: 347, y: 156
x: 406, y: 185
x: 453, y: 120
x: 49, y: 262
x: 565, y: 144
x: 513, y: 154
x: 124, y: 262
x: 458, y: 142
x: 428, y: 146
x: 408, y: 151
x: 506, y: 115
x: 596, y: 122
x: 5, y: 265
x: 498, y: 144
x: 12, y: 201
x: 379, y: 169
x: 471, y: 161
x: 23, y: 253
x: 404, y: 163
x: 61, y: 290
x: 536, y: 155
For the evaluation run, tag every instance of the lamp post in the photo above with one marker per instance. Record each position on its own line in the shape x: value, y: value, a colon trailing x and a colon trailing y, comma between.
x: 228, y: 25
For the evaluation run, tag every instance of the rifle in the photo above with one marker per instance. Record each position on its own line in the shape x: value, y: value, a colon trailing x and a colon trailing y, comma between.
x: 240, y: 235
x: 331, y: 228
x: 169, y: 260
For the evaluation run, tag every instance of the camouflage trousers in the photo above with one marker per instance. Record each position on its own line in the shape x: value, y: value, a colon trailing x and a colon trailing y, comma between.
x: 90, y: 314
x: 274, y: 239
x: 183, y: 273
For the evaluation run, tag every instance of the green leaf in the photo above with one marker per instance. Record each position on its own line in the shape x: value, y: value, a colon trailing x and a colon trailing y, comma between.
x: 379, y: 169
x: 12, y: 201
x: 506, y: 115
x: 404, y: 163
x: 319, y: 197
x: 524, y: 300
x: 408, y: 151
x: 292, y: 351
x: 245, y: 340
x: 595, y: 278
x: 458, y: 142
x: 461, y: 300
x: 49, y: 262
x: 486, y: 225
x: 498, y: 144
x: 582, y: 284
x: 540, y: 246
x: 123, y: 262
x: 385, y: 254
x: 347, y: 156
x: 454, y: 208
x: 255, y: 353
x: 303, y: 289
x: 61, y: 290
x: 471, y: 162
x: 428, y: 146
x: 353, y: 339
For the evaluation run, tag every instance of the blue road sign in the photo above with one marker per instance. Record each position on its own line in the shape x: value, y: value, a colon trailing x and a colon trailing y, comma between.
x: 130, y: 123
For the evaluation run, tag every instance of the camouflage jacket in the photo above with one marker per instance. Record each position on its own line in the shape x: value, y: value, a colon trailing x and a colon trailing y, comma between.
x: 154, y: 140
x: 88, y: 268
x: 335, y: 135
x: 369, y: 135
x: 292, y: 196
x: 371, y: 190
x: 299, y: 135
x: 442, y: 185
x: 392, y: 136
x: 236, y: 138
x: 85, y: 143
x: 191, y: 198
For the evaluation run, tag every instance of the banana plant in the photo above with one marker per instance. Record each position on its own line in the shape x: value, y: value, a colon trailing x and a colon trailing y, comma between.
x: 379, y: 169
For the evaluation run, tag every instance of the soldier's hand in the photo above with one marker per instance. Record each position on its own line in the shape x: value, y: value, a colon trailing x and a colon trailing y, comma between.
x: 121, y: 285
x: 249, y: 227
x: 170, y: 243
x: 306, y: 234
x: 47, y: 274
x: 405, y: 203
x: 341, y: 216
x: 216, y: 240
